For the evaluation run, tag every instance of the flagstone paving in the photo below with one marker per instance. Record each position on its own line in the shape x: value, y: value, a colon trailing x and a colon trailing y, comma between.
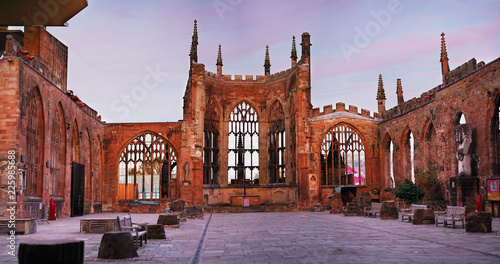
x: 292, y: 237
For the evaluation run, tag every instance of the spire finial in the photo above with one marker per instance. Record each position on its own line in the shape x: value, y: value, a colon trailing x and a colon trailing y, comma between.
x: 380, y: 95
x: 294, y: 50
x: 194, y: 45
x: 306, y: 48
x: 399, y: 92
x: 380, y: 91
x: 195, y: 32
x: 445, y: 68
x: 267, y: 62
x: 219, y: 62
x: 219, y: 57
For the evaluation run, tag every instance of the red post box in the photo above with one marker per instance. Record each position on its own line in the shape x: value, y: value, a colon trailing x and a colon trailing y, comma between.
x: 52, y: 209
x: 479, y: 204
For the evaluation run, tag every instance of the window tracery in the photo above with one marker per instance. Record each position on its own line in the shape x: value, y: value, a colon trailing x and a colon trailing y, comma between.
x: 342, y: 157
x: 147, y: 164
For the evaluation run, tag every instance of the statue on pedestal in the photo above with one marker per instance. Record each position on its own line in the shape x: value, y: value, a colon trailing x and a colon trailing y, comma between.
x: 463, y: 134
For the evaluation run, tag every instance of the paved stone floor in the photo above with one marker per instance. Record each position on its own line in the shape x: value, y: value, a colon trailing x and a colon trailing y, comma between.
x: 293, y: 237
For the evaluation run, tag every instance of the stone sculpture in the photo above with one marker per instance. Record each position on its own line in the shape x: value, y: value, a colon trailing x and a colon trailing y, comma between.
x: 463, y: 134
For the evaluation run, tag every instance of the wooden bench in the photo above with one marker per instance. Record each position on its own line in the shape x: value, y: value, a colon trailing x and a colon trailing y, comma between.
x: 408, y: 213
x: 452, y: 214
x: 125, y: 224
x: 373, y: 210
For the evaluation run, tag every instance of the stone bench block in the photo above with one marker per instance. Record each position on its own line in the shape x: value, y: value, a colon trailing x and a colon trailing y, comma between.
x: 98, y: 225
x: 23, y: 226
x: 181, y: 215
x: 478, y: 222
x: 389, y: 210
x: 51, y: 251
x: 194, y: 212
x: 177, y: 206
x: 156, y: 231
x: 168, y: 219
x: 423, y: 217
x: 117, y: 245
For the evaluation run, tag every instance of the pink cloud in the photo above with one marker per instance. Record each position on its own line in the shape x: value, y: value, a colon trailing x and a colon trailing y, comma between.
x: 381, y: 54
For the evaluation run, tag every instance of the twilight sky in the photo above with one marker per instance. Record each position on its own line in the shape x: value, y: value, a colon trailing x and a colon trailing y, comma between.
x: 129, y: 60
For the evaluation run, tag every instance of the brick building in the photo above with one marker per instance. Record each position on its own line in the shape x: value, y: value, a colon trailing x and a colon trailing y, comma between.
x: 255, y: 137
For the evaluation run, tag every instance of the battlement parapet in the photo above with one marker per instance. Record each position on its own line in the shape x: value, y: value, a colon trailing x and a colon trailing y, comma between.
x: 412, y: 104
x: 250, y: 78
x: 461, y: 71
x: 430, y: 96
x: 341, y: 111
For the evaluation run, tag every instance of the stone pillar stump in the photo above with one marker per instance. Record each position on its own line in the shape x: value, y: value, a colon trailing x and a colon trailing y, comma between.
x: 194, y: 212
x: 117, y: 245
x: 177, y: 206
x: 423, y: 217
x: 156, y: 231
x: 168, y: 220
x: 389, y: 210
x: 478, y: 222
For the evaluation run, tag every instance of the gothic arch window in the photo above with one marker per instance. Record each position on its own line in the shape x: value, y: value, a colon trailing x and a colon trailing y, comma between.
x: 277, y: 144
x: 342, y: 157
x: 496, y: 133
x: 459, y: 120
x: 75, y: 144
x: 87, y: 161
x: 430, y: 145
x: 293, y: 141
x: 146, y: 167
x: 58, y: 153
x: 243, y: 145
x: 409, y: 156
x: 34, y: 145
x: 389, y: 163
x: 96, y: 177
x: 211, y: 144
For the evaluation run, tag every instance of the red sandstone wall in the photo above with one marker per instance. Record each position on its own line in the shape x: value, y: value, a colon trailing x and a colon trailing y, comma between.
x: 50, y: 51
x: 9, y: 119
x: 260, y: 93
x: 475, y: 96
x: 19, y: 81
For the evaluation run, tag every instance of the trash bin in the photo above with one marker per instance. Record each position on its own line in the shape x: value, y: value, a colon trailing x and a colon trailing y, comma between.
x: 52, y: 209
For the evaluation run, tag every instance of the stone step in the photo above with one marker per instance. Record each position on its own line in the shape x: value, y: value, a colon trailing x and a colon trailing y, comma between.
x: 250, y: 209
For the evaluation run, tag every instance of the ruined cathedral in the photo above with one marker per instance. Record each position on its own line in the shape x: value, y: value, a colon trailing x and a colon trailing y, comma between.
x: 244, y: 140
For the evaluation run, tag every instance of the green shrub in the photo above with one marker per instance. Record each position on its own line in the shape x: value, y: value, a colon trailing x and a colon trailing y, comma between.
x: 429, y: 183
x: 408, y: 191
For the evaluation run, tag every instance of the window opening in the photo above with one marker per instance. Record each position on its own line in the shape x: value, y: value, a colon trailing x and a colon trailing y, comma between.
x: 146, y: 162
x: 211, y: 145
x: 243, y: 145
x: 342, y: 157
x: 277, y: 144
x: 33, y: 154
